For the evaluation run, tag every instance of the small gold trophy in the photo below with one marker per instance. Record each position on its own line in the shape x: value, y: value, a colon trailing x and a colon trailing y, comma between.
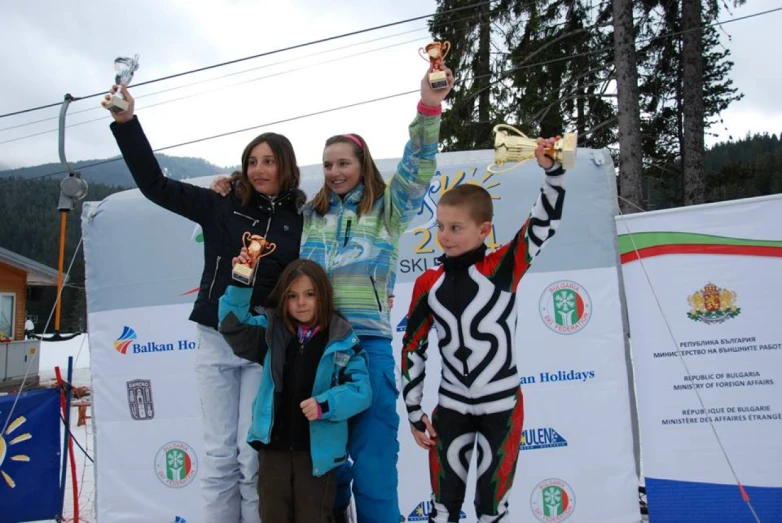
x: 435, y: 52
x: 257, y: 247
x: 519, y: 148
x: 123, y: 74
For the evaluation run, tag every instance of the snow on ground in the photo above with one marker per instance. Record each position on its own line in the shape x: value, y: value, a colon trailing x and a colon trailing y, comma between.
x: 56, y: 354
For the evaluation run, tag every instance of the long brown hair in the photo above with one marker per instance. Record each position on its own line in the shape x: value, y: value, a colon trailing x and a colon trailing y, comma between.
x: 324, y: 293
x: 374, y: 186
x: 284, y: 157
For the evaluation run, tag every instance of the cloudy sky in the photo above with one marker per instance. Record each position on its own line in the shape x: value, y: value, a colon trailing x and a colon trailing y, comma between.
x: 50, y: 48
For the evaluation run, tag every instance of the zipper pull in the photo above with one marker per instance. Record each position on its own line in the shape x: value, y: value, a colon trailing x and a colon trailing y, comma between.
x: 347, y: 233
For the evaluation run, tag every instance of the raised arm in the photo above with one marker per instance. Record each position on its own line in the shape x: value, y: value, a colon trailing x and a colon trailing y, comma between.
x: 245, y: 333
x: 510, y: 262
x: 187, y: 200
x: 407, y: 187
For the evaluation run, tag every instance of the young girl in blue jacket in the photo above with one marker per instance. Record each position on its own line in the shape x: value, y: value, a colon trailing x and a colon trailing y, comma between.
x: 314, y: 379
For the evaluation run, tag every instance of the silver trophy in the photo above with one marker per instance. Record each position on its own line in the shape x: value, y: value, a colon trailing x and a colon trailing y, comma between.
x: 123, y: 74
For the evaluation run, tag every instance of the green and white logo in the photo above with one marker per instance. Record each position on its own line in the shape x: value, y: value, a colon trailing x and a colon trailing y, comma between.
x: 176, y: 464
x: 565, y: 307
x: 552, y: 501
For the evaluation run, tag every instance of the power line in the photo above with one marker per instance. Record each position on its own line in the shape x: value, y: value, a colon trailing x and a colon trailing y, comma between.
x: 102, y: 118
x: 502, y: 75
x: 229, y: 133
x: 207, y: 80
x: 193, y: 95
x: 260, y: 55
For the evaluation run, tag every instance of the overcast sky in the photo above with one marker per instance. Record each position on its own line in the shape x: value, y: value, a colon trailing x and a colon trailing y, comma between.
x: 49, y: 48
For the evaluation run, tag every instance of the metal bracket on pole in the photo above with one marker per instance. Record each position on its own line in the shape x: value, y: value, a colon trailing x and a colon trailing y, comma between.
x: 72, y: 188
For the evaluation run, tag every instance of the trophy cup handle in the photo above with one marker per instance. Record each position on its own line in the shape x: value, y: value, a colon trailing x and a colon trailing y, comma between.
x: 493, y: 167
x: 423, y: 54
x: 246, y: 239
x: 270, y: 248
x: 446, y: 46
x: 509, y: 128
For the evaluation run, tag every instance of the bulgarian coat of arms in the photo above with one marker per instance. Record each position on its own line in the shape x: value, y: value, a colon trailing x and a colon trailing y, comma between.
x: 712, y: 304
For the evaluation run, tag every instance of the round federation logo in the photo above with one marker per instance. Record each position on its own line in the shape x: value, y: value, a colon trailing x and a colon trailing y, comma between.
x: 176, y: 464
x: 552, y: 501
x: 565, y: 307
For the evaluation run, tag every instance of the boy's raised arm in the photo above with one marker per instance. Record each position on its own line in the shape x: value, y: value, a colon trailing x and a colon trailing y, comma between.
x: 513, y: 259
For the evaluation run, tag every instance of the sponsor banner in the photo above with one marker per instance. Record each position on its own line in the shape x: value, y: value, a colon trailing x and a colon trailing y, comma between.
x: 701, y: 294
x: 146, y: 407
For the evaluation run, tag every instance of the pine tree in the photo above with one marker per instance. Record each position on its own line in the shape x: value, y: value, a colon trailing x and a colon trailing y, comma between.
x: 468, y: 122
x: 662, y: 72
x: 630, y: 164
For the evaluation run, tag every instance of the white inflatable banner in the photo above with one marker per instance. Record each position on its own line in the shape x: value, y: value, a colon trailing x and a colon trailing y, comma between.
x: 577, y: 461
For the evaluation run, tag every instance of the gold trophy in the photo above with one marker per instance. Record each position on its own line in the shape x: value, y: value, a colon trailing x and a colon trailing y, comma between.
x: 123, y: 74
x: 519, y: 148
x: 435, y: 52
x: 257, y: 247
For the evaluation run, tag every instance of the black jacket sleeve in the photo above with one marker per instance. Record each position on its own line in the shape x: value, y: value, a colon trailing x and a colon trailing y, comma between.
x: 187, y: 200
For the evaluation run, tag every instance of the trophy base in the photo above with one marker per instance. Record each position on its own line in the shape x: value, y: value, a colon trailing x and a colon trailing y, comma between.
x: 115, y: 105
x: 243, y: 273
x: 568, y: 152
x: 438, y: 80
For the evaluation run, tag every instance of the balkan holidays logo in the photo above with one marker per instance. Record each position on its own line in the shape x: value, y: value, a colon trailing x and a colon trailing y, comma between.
x: 552, y: 501
x: 542, y: 438
x: 176, y: 464
x: 422, y: 511
x: 140, y: 399
x: 126, y: 338
x: 565, y: 307
x: 712, y: 304
x: 127, y: 342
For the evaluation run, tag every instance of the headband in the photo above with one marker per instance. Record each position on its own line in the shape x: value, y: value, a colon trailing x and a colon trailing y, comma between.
x: 354, y: 140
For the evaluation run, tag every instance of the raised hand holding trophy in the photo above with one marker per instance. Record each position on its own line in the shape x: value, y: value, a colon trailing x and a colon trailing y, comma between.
x: 123, y: 74
x: 257, y: 248
x: 520, y: 148
x: 435, y: 52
